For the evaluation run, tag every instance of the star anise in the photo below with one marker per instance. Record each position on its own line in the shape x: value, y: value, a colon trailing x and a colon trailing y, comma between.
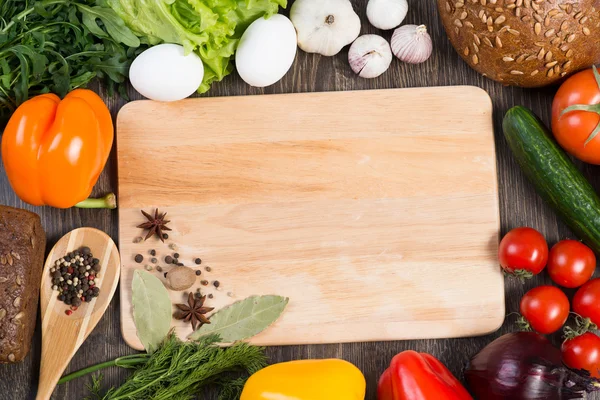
x: 193, y: 311
x: 155, y: 225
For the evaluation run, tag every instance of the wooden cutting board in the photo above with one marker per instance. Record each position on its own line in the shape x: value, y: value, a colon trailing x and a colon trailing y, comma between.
x: 375, y: 212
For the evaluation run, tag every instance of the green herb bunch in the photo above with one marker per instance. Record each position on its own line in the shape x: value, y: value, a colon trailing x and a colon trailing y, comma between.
x: 59, y: 45
x: 179, y: 370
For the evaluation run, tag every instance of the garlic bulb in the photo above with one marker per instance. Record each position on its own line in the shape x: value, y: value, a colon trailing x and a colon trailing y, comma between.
x: 412, y: 44
x: 324, y: 26
x: 370, y: 56
x: 386, y: 14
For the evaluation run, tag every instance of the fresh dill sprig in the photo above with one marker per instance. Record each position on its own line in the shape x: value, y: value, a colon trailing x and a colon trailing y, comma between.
x: 180, y: 370
x: 95, y: 388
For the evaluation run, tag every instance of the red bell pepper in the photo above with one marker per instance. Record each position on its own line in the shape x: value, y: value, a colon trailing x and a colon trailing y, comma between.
x: 419, y: 376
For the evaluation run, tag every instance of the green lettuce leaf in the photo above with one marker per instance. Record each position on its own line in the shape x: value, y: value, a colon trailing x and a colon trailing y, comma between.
x: 211, y: 28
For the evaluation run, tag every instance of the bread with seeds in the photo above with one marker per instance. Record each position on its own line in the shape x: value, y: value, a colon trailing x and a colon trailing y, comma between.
x: 529, y: 43
x: 22, y: 248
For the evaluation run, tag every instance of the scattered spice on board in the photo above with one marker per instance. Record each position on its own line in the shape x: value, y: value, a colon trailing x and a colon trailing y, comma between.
x: 169, y: 259
x: 198, y: 261
x: 153, y: 260
x: 152, y: 252
x: 73, y: 276
x: 193, y: 311
x: 138, y: 239
x: 176, y: 255
x: 139, y: 258
x: 159, y: 268
x: 148, y: 267
x: 204, y: 283
x: 155, y: 225
x: 217, y: 284
x: 208, y: 269
x: 198, y: 272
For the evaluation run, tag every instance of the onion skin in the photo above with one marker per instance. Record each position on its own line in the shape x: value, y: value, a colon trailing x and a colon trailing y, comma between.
x: 524, y: 366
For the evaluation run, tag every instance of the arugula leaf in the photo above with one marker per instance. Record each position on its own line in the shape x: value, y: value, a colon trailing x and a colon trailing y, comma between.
x: 59, y: 45
x: 114, y: 25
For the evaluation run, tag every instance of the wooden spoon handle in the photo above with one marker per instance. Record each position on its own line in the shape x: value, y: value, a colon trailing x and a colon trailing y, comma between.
x: 59, y: 343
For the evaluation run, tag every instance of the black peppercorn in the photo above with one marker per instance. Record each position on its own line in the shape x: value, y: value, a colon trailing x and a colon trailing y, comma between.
x: 198, y: 272
x: 176, y: 255
x: 216, y: 283
x: 179, y: 264
x: 165, y: 236
x: 168, y: 259
x: 61, y: 297
x: 76, y: 302
x: 139, y: 258
x: 210, y: 296
x: 153, y: 252
x: 159, y: 268
x: 198, y: 261
x: 96, y: 267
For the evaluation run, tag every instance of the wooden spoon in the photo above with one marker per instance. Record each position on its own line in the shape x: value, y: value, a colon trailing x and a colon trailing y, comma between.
x: 62, y: 334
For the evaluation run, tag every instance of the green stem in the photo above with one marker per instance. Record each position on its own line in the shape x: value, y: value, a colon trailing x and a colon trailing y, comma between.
x: 123, y: 362
x: 109, y: 201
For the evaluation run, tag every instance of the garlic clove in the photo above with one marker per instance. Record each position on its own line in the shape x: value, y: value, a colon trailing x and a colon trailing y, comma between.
x: 370, y: 56
x: 412, y: 44
x: 386, y: 14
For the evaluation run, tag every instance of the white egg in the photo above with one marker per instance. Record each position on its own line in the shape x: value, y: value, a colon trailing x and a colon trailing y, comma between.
x: 165, y: 73
x: 266, y: 51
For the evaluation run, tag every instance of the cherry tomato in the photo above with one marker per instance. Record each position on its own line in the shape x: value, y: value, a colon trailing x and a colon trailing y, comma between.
x: 573, y: 129
x: 586, y: 301
x: 583, y: 352
x: 523, y: 252
x: 546, y: 308
x: 571, y: 263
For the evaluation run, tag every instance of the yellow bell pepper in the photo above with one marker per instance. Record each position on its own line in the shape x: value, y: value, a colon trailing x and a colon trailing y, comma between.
x: 307, y: 380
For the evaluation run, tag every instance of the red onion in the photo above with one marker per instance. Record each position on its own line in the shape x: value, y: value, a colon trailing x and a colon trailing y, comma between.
x: 524, y: 366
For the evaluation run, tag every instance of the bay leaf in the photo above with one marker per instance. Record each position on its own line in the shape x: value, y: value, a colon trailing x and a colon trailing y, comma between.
x: 151, y: 309
x: 243, y: 319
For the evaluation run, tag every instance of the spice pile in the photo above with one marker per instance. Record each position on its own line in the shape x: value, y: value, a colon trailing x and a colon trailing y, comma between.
x: 74, y: 277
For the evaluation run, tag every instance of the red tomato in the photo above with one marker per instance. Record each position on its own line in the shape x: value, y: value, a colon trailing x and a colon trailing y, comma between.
x: 523, y: 252
x: 574, y: 128
x: 546, y: 308
x: 571, y: 263
x: 586, y: 301
x: 583, y: 352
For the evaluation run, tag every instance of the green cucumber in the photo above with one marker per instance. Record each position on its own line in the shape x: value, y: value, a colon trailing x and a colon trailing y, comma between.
x: 555, y: 177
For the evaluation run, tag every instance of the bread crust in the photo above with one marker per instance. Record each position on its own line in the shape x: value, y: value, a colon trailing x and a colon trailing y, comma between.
x: 22, y: 248
x: 528, y: 43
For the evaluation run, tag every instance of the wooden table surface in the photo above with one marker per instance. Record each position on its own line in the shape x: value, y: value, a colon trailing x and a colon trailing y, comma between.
x: 519, y: 206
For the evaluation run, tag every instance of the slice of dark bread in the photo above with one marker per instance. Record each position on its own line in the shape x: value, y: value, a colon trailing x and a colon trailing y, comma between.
x: 22, y: 247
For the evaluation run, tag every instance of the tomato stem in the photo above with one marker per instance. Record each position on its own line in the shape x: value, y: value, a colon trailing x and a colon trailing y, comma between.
x: 582, y: 325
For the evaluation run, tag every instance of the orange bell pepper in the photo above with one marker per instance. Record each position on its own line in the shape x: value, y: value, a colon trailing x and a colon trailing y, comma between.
x: 54, y: 151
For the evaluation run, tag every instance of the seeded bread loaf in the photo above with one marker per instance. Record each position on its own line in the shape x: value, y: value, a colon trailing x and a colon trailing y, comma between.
x: 527, y: 43
x: 22, y: 246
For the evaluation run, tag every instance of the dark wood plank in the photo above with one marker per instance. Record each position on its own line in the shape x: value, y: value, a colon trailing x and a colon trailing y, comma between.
x: 519, y: 206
